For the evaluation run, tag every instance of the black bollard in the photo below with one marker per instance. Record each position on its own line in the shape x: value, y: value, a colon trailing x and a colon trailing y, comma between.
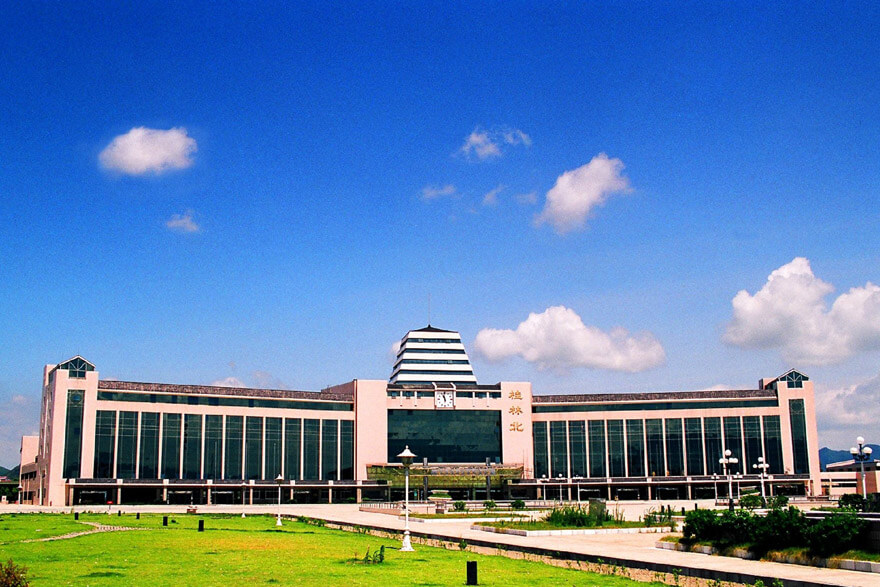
x: 119, y: 513
x: 138, y: 516
x: 76, y: 515
x: 164, y: 520
x: 682, y: 510
x: 471, y: 573
x: 201, y: 525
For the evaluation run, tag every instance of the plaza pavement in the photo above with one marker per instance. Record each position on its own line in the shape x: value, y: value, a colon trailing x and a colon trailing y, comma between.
x: 630, y: 550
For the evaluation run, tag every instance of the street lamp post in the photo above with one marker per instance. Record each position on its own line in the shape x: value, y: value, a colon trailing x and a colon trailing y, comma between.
x: 560, y: 487
x: 762, y: 467
x: 860, y: 455
x: 279, y: 480
x: 20, y: 489
x: 243, y: 498
x: 726, y: 460
x: 715, y: 485
x: 406, y: 457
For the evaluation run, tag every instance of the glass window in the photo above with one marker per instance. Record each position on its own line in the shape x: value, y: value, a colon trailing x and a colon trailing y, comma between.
x: 597, y: 448
x: 445, y: 436
x: 76, y: 368
x: 773, y: 444
x: 234, y: 439
x: 213, y: 446
x: 240, y: 402
x: 654, y: 436
x: 171, y: 446
x: 733, y: 442
x: 635, y: 447
x: 694, y: 440
x: 577, y: 448
x: 311, y: 448
x: 558, y: 450
x: 799, y: 449
x: 127, y: 445
x: 292, y: 432
x: 542, y: 461
x: 253, y: 448
x: 752, y: 434
x: 273, y: 448
x: 192, y: 446
x: 149, y: 467
x: 616, y: 449
x: 105, y: 438
x: 658, y: 406
x: 73, y: 434
x: 674, y: 450
x: 346, y: 440
x: 714, y: 450
x: 329, y: 432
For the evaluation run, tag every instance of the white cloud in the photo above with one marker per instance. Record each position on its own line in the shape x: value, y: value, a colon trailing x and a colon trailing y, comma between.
x: 229, y: 382
x: 847, y: 412
x: 517, y: 137
x: 527, y: 199
x: 431, y: 192
x: 143, y: 150
x: 578, y: 191
x: 182, y: 223
x: 484, y: 144
x: 558, y: 339
x: 491, y: 197
x: 393, y: 350
x: 790, y: 313
x: 265, y: 380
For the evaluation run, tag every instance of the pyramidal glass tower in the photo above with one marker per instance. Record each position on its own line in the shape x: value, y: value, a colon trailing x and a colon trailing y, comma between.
x: 431, y: 355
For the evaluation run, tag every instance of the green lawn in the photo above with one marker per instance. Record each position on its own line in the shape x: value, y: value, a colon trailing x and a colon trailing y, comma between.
x: 236, y: 551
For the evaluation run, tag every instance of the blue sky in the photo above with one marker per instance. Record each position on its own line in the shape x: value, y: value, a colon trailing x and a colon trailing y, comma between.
x: 303, y: 184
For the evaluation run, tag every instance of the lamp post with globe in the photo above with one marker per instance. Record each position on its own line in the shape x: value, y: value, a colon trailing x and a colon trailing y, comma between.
x: 762, y: 467
x: 860, y: 455
x: 726, y: 460
x: 279, y: 480
x: 406, y: 458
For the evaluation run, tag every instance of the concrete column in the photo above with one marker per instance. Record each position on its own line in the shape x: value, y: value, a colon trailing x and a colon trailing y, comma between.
x: 251, y: 495
x: 209, y: 495
x: 329, y: 495
x: 358, y: 495
x: 119, y: 496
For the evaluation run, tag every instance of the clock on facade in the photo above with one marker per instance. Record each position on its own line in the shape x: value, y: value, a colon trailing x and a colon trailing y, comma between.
x: 444, y: 399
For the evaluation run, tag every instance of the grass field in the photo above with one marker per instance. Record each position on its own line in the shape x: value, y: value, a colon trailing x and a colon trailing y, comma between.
x: 236, y: 551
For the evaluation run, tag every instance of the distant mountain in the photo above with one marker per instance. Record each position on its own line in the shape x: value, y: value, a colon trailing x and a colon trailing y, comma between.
x: 829, y: 455
x: 11, y: 473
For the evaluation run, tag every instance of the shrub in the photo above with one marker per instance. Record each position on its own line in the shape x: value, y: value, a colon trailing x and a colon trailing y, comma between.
x: 751, y: 501
x: 777, y: 502
x: 700, y: 525
x: 489, y: 505
x: 872, y: 504
x: 736, y: 527
x: 518, y: 504
x: 459, y: 506
x: 13, y: 575
x: 569, y: 516
x: 780, y: 529
x: 851, y: 501
x: 836, y: 533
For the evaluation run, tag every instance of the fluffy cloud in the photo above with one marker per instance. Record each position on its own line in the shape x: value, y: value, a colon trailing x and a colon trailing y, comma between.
x: 578, y: 191
x: 432, y: 192
x: 527, y: 199
x: 229, y: 382
x: 490, y: 198
x: 484, y: 144
x: 790, y: 314
x: 848, y: 412
x: 182, y: 223
x: 143, y: 150
x: 558, y: 339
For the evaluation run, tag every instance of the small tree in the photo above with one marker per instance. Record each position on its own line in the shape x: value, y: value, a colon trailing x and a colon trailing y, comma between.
x: 751, y: 501
x: 518, y: 504
x: 489, y: 505
x: 13, y: 575
x: 777, y: 502
x: 459, y: 506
